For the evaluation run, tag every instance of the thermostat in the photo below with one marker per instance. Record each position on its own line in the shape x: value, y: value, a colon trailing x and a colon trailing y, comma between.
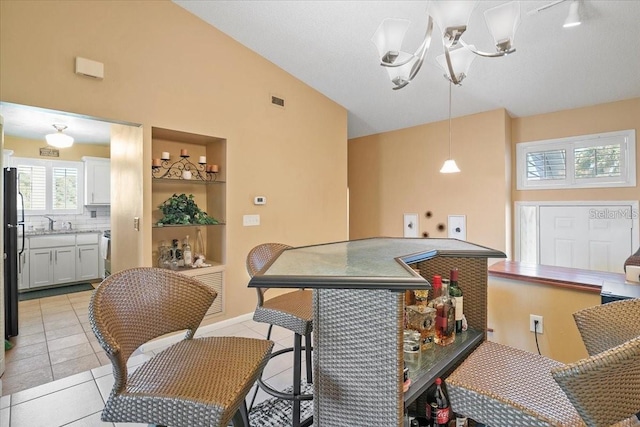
x: 259, y: 200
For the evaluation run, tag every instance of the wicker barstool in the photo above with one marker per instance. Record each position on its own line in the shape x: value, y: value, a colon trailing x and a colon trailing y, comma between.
x: 292, y: 311
x: 503, y: 386
x: 195, y: 382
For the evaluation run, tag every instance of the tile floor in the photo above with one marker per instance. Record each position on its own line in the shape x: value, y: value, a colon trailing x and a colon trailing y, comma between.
x: 61, y: 377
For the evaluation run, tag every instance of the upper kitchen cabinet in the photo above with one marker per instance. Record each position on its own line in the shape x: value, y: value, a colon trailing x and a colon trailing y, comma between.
x: 193, y: 165
x: 97, y: 181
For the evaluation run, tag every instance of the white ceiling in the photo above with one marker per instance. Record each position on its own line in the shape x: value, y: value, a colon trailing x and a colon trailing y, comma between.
x: 327, y: 44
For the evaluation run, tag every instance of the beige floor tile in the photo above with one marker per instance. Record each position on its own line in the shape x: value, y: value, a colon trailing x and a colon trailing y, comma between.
x: 5, y: 417
x: 5, y: 401
x: 53, y: 301
x: 50, y: 387
x: 19, y: 367
x: 69, y: 353
x: 87, y: 327
x: 94, y: 342
x: 55, y: 309
x: 25, y: 351
x: 102, y: 371
x: 22, y: 340
x: 27, y: 380
x: 93, y: 420
x: 29, y: 313
x: 28, y: 304
x: 105, y: 384
x: 31, y: 329
x: 30, y: 321
x: 69, y: 341
x: 60, y: 408
x: 81, y: 309
x: 63, y: 315
x: 103, y: 358
x: 61, y: 323
x: 54, y: 334
x: 74, y: 366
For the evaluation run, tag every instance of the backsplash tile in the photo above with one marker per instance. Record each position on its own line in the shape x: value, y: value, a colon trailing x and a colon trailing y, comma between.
x: 84, y: 221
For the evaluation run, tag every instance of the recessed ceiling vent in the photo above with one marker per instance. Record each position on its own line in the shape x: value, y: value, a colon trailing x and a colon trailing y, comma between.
x: 277, y: 101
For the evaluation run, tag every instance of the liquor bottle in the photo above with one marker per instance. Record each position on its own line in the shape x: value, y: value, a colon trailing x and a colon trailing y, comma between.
x: 456, y: 293
x: 442, y: 406
x: 445, y: 317
x: 186, y: 252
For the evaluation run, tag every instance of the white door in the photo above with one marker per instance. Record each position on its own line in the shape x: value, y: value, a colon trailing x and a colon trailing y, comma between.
x: 587, y: 237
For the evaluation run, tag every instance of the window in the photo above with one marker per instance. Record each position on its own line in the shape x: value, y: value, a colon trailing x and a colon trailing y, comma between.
x: 600, y: 160
x: 50, y: 186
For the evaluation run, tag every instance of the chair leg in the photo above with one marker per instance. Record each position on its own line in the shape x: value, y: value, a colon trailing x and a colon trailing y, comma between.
x: 297, y: 362
x: 307, y: 350
x: 255, y: 393
x: 241, y: 417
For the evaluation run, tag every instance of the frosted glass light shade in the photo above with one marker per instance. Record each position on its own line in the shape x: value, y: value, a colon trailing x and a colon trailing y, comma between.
x: 399, y: 75
x: 503, y: 21
x: 449, y: 166
x: 59, y: 139
x: 573, y: 19
x: 451, y: 13
x: 461, y: 59
x: 389, y: 35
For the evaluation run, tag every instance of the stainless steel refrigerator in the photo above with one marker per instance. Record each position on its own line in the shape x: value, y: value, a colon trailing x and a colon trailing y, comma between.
x: 12, y: 250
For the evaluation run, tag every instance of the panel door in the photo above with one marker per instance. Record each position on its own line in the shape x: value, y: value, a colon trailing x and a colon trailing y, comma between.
x: 64, y: 266
x: 40, y: 267
x: 87, y: 264
x: 587, y: 237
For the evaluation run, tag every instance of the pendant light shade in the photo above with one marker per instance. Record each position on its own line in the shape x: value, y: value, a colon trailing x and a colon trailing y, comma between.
x: 573, y: 19
x: 59, y: 139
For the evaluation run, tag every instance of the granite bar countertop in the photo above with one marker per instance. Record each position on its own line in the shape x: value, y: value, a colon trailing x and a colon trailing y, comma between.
x: 375, y: 263
x: 53, y: 232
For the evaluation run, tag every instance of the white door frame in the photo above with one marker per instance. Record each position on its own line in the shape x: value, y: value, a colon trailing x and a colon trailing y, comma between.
x: 635, y: 233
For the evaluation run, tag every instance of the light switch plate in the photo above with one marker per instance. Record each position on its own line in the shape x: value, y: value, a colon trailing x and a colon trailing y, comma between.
x: 458, y: 227
x: 250, y: 220
x: 411, y: 225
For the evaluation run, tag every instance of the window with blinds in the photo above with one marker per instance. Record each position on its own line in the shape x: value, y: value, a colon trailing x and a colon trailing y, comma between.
x: 50, y: 186
x: 600, y: 160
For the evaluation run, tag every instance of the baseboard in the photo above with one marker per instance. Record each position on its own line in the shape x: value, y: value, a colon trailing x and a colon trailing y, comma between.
x: 202, y: 330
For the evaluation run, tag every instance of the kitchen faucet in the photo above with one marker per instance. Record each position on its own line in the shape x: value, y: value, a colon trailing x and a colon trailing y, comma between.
x: 51, y: 221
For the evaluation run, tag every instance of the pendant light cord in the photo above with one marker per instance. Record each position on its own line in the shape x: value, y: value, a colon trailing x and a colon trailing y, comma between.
x: 450, y: 119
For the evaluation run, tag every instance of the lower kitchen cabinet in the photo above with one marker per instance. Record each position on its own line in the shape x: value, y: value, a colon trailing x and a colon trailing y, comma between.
x: 87, y: 265
x: 23, y: 270
x: 51, y: 266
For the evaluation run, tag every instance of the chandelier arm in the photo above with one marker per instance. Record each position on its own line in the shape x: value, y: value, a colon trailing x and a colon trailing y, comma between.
x: 421, y: 54
x: 488, y: 54
x: 397, y: 64
x: 452, y: 74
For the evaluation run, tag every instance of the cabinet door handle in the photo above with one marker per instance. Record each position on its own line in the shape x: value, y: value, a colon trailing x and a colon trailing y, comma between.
x: 20, y: 265
x: 56, y: 257
x: 50, y: 257
x: 80, y: 254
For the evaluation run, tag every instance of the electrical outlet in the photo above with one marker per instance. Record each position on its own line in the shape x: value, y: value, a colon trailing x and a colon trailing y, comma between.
x: 532, y: 324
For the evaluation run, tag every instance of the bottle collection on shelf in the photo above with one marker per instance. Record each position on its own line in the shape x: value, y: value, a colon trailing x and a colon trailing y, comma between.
x: 175, y: 257
x: 436, y: 320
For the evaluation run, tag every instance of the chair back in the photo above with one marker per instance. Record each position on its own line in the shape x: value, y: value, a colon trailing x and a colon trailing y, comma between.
x: 134, y: 306
x: 608, y: 325
x: 260, y: 256
x: 604, y: 388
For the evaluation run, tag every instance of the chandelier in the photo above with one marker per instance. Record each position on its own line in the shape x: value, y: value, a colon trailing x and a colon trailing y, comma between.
x: 452, y: 18
x: 59, y: 139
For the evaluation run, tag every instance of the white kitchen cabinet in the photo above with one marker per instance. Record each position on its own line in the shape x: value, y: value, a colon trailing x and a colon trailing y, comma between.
x: 88, y: 261
x: 52, y: 260
x: 97, y: 181
x: 23, y: 270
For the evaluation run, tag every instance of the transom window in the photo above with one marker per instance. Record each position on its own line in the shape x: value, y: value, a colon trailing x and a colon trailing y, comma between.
x: 600, y: 160
x: 50, y: 186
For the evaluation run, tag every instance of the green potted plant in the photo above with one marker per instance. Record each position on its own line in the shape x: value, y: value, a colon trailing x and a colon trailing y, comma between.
x: 183, y: 210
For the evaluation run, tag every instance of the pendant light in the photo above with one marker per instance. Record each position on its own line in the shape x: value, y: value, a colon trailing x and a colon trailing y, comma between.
x: 59, y: 139
x: 449, y: 165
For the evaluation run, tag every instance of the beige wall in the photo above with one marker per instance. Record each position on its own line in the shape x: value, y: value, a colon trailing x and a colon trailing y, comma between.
x: 614, y: 116
x: 23, y: 147
x: 166, y: 68
x: 510, y: 304
x: 397, y: 172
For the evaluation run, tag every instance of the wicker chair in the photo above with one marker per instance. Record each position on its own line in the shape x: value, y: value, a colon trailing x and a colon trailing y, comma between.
x: 195, y: 382
x: 292, y: 311
x: 503, y: 386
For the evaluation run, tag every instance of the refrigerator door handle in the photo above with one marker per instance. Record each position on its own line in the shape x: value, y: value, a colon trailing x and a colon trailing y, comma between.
x: 21, y: 222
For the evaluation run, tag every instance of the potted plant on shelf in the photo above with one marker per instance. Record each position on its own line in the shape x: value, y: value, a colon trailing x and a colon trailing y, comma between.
x: 183, y: 210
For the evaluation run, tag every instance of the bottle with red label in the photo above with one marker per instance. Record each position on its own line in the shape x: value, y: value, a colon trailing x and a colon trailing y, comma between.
x: 442, y: 408
x: 445, y: 316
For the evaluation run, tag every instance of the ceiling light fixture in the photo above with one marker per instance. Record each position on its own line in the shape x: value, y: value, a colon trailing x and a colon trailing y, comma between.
x: 452, y: 18
x: 450, y: 165
x: 59, y: 139
x: 573, y: 19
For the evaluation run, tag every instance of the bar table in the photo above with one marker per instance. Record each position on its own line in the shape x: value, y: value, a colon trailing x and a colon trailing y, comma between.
x: 358, y: 319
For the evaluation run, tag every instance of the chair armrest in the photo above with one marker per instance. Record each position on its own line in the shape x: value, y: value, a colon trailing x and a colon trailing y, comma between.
x: 604, y: 388
x: 606, y: 326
